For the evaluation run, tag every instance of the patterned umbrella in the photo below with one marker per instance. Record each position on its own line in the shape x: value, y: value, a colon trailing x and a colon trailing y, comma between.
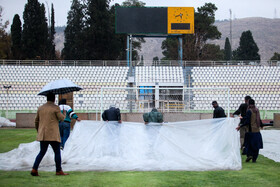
x: 62, y: 86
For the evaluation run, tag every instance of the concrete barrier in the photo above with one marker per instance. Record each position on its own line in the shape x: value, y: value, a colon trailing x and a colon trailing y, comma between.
x: 26, y: 120
x: 276, y: 120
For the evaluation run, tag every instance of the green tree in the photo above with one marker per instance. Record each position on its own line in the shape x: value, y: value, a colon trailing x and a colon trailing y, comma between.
x: 155, y: 59
x: 227, y: 51
x: 248, y: 49
x: 276, y: 56
x: 35, y: 31
x: 193, y: 44
x: 16, y: 31
x: 170, y: 49
x: 98, y: 30
x: 51, y: 37
x: 212, y: 52
x: 44, y: 49
x: 5, y: 39
x: 135, y: 3
x: 73, y: 33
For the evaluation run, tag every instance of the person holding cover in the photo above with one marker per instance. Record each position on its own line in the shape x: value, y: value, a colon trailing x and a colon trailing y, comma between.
x: 112, y: 114
x: 153, y: 116
x: 64, y: 125
x: 242, y: 111
x: 218, y: 111
x: 253, y: 138
x: 46, y: 123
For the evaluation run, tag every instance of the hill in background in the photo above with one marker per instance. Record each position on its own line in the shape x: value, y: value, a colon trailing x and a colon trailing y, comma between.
x: 266, y: 33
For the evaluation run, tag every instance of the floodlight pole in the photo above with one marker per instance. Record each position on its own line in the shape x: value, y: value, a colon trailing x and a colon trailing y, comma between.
x: 7, y: 106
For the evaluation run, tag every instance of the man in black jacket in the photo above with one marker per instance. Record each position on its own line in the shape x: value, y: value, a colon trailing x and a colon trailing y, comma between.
x: 242, y: 111
x: 219, y: 111
x: 112, y: 114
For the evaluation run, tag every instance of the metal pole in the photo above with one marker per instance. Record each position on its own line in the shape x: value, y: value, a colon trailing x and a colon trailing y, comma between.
x: 130, y: 57
x: 230, y: 21
x: 228, y: 102
x: 7, y: 106
x: 189, y: 93
x: 127, y: 50
x: 7, y: 113
x: 180, y: 50
x: 101, y: 106
x: 130, y: 75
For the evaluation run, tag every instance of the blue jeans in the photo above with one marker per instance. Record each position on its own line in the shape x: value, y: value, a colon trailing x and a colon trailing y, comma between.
x: 64, y: 129
x: 43, y: 149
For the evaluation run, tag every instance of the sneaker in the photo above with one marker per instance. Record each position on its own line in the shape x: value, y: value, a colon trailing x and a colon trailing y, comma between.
x: 249, y: 158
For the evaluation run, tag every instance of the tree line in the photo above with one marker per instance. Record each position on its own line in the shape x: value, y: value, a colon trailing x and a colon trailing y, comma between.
x: 90, y: 35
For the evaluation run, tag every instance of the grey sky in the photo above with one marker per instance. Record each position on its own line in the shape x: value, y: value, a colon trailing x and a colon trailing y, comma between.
x: 240, y: 8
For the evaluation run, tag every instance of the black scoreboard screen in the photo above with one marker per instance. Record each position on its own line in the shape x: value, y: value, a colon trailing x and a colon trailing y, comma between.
x: 141, y: 20
x: 154, y: 20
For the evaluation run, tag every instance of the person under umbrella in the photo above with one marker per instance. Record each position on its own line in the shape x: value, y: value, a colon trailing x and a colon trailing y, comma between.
x: 46, y: 124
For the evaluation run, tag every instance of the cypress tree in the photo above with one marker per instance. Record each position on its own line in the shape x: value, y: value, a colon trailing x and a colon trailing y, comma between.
x: 35, y: 31
x: 44, y: 39
x: 98, y: 31
x: 227, y: 52
x: 73, y: 45
x: 16, y: 37
x: 52, y: 33
x: 248, y: 49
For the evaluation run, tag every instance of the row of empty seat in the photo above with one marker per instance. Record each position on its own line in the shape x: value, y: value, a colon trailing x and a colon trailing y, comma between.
x: 27, y: 81
x: 163, y: 74
x: 261, y: 82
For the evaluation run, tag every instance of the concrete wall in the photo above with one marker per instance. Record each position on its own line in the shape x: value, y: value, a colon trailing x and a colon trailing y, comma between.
x: 26, y: 120
x: 276, y: 120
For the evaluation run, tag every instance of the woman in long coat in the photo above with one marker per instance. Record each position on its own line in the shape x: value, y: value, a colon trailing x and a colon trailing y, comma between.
x: 253, y: 138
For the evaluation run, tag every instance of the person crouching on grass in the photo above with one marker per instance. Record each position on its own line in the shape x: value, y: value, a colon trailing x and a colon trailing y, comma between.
x: 46, y: 123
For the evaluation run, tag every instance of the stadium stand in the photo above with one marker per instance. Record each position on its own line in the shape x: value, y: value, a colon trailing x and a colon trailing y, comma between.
x: 260, y: 82
x: 27, y: 81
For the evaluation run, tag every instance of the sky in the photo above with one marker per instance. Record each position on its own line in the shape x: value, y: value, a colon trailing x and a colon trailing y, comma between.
x: 240, y: 8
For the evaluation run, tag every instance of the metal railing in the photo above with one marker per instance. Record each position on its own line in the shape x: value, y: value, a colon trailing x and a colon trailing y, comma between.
x: 136, y: 63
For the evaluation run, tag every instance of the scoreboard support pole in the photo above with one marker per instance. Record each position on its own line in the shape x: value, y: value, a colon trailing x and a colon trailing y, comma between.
x: 180, y: 50
x: 127, y: 49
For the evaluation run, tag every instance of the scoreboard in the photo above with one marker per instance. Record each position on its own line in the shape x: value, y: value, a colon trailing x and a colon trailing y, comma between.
x: 155, y: 20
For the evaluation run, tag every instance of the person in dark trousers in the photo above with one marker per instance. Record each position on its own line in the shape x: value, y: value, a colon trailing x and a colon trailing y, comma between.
x: 218, y: 111
x: 46, y: 124
x: 253, y: 138
x: 242, y: 111
x: 153, y: 116
x: 64, y: 126
x: 112, y: 114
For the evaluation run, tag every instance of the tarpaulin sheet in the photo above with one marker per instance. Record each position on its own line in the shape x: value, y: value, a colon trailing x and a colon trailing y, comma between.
x: 211, y: 144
